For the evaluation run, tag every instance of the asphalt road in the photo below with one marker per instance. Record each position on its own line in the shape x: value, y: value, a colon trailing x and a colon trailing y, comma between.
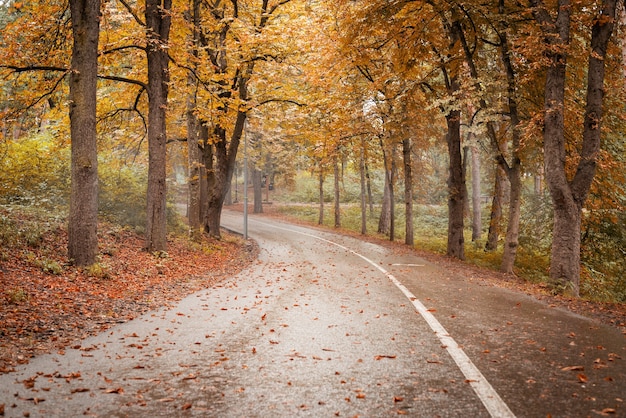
x: 325, y: 325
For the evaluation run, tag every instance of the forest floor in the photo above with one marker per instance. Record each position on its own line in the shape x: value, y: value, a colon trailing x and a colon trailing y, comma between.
x: 47, y: 305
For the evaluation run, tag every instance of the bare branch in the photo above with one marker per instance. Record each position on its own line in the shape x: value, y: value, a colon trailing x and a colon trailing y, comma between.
x: 132, y: 12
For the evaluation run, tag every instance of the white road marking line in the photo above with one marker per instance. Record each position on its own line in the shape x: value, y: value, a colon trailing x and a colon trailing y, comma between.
x: 486, y: 393
x: 409, y: 265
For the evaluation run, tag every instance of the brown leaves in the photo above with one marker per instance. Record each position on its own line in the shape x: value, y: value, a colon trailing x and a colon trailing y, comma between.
x: 59, y: 309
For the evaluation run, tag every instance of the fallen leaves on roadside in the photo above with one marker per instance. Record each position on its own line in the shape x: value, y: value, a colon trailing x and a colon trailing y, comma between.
x: 380, y: 357
x: 42, y: 313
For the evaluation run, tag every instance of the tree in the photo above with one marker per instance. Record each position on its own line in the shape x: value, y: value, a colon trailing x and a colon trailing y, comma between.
x: 83, y: 215
x: 570, y: 192
x: 158, y: 22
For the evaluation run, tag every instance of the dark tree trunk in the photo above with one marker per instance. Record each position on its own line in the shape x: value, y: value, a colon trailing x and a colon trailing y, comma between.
x: 158, y: 21
x: 569, y: 197
x: 194, y: 155
x: 493, y: 236
x: 83, y: 216
x: 363, y: 189
x: 257, y: 180
x: 225, y: 154
x: 320, y: 220
x: 370, y: 198
x: 408, y: 192
x: 337, y: 194
x: 456, y: 187
x: 384, y: 221
x: 477, y: 224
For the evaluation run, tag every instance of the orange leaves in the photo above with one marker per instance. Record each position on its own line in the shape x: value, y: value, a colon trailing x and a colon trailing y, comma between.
x: 53, y: 310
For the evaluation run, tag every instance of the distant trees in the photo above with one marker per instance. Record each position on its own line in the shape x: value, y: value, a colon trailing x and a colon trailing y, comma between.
x: 361, y: 86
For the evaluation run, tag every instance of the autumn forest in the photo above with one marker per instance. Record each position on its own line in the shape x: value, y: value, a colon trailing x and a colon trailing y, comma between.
x: 489, y: 130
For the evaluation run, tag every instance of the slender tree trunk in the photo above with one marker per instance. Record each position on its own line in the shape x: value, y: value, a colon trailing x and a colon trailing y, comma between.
x: 337, y: 194
x: 320, y: 220
x: 466, y: 161
x: 363, y: 189
x: 194, y: 155
x: 257, y: 179
x: 477, y: 224
x: 408, y: 192
x: 370, y: 198
x: 513, y: 170
x: 496, y: 210
x: 384, y: 221
x: 83, y: 216
x: 158, y: 21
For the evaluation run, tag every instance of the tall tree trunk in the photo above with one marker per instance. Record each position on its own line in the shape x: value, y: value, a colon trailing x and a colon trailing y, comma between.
x: 320, y: 220
x: 370, y: 198
x: 363, y: 189
x: 83, y: 216
x: 569, y: 197
x: 257, y: 179
x: 194, y: 155
x: 158, y: 21
x: 221, y: 175
x: 456, y: 187
x: 337, y: 194
x: 493, y: 236
x: 477, y: 224
x: 514, y: 169
x: 385, y: 210
x: 408, y: 192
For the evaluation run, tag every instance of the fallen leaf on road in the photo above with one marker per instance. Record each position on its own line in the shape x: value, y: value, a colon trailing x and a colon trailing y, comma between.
x: 573, y: 368
x: 582, y: 378
x: 118, y: 391
x: 383, y: 356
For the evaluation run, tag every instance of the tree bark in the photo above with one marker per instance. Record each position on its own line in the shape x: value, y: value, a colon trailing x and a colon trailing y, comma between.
x: 194, y: 155
x: 83, y: 215
x: 337, y: 194
x: 158, y: 21
x: 477, y: 224
x: 320, y: 219
x: 495, y: 218
x: 257, y: 179
x: 408, y: 192
x: 363, y: 189
x: 456, y: 187
x: 569, y: 197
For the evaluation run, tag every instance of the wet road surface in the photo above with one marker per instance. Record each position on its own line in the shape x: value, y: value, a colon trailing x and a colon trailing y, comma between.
x: 325, y: 325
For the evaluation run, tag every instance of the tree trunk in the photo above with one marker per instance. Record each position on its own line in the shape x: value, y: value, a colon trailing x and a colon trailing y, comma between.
x: 456, y: 187
x: 320, y: 220
x: 512, y: 231
x: 194, y: 155
x: 83, y: 216
x: 257, y: 179
x: 408, y: 192
x: 158, y: 21
x: 221, y: 175
x: 363, y: 189
x: 370, y: 198
x: 337, y: 194
x: 496, y: 210
x: 477, y: 224
x: 384, y: 223
x: 569, y: 197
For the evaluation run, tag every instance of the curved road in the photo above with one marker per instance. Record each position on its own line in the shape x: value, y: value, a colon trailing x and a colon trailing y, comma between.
x: 325, y: 325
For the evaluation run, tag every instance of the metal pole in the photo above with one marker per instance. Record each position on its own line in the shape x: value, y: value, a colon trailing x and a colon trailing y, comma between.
x: 245, y: 180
